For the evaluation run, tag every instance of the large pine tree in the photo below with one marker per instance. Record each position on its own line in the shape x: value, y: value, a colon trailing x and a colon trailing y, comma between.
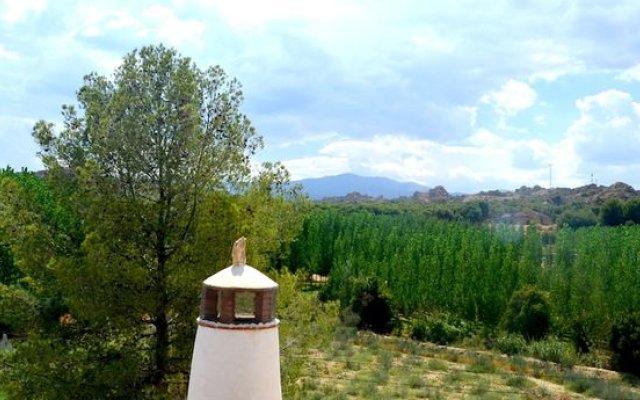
x: 152, y: 168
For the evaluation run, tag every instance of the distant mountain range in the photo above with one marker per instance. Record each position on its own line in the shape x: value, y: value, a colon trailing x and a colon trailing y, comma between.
x: 342, y: 185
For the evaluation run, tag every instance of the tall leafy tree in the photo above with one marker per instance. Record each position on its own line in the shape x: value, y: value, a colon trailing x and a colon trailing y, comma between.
x: 137, y: 158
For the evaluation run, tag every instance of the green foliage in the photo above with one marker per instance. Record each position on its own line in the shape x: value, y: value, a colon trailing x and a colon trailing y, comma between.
x: 482, y: 365
x: 9, y: 273
x: 431, y: 266
x: 617, y: 212
x: 372, y: 303
x: 306, y: 324
x: 581, y: 332
x: 632, y: 211
x: 511, y: 344
x: 427, y: 264
x: 92, y: 365
x: 528, y: 313
x: 612, y: 213
x: 32, y: 193
x: 577, y: 218
x: 18, y: 309
x: 475, y: 211
x: 625, y: 344
x: 553, y: 350
x: 147, y: 186
x: 440, y: 328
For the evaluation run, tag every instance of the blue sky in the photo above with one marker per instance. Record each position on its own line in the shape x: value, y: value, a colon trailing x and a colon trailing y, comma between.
x: 470, y: 95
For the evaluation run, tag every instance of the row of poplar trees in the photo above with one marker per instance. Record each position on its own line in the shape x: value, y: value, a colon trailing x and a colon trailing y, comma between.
x: 147, y: 184
x: 430, y: 265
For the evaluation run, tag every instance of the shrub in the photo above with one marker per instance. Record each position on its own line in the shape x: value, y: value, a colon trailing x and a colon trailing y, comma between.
x: 528, y: 314
x: 442, y: 332
x: 612, y: 213
x: 372, y: 303
x: 17, y: 309
x: 625, y: 344
x: 440, y: 328
x: 419, y: 330
x: 553, y: 350
x: 577, y: 218
x: 511, y: 344
x: 580, y: 333
x: 307, y: 324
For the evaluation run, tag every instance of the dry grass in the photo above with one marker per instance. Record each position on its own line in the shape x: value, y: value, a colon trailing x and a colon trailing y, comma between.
x: 367, y: 366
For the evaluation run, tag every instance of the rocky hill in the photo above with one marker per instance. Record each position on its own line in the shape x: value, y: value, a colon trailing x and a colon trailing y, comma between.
x: 591, y: 194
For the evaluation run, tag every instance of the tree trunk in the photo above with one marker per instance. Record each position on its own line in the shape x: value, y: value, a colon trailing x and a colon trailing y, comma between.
x: 161, y: 320
x: 161, y: 348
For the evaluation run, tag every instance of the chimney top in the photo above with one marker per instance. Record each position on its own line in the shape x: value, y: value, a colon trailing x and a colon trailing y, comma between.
x: 240, y: 277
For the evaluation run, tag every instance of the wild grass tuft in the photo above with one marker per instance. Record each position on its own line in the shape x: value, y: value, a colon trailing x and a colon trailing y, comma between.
x: 482, y: 365
x: 554, y: 350
x: 518, y: 381
x: 436, y: 365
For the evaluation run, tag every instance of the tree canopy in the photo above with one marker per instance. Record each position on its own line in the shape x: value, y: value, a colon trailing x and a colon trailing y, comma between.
x: 148, y: 182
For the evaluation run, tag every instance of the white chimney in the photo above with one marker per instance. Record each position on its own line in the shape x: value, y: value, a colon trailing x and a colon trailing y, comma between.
x: 236, y: 355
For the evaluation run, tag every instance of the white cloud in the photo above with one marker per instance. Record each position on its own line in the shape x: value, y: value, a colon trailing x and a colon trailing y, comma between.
x: 603, y: 140
x: 17, y: 148
x: 15, y: 11
x: 630, y: 74
x: 464, y: 172
x: 608, y: 129
x: 99, y: 20
x: 610, y: 102
x: 310, y: 138
x: 485, y: 161
x: 252, y: 14
x: 551, y: 60
x: 311, y: 69
x: 316, y: 166
x: 163, y: 24
x: 137, y: 24
x: 513, y: 97
x: 426, y: 39
x: 8, y: 54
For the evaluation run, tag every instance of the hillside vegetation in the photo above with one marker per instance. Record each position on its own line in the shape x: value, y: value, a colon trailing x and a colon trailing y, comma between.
x: 445, y: 280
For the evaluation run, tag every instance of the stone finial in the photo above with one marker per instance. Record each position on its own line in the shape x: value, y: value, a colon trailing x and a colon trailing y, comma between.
x: 239, y: 252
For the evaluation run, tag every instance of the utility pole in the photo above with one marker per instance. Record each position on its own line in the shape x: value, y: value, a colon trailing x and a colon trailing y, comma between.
x: 550, y: 175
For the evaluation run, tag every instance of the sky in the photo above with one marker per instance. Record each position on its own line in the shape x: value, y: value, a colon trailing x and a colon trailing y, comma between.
x: 471, y: 95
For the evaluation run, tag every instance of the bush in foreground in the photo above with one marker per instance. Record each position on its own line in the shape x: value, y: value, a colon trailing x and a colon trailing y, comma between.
x: 440, y: 328
x: 372, y: 302
x: 528, y: 313
x: 511, y: 344
x: 625, y: 344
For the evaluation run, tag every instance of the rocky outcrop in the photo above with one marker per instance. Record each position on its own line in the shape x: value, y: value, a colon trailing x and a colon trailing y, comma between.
x: 437, y: 194
x: 618, y: 190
